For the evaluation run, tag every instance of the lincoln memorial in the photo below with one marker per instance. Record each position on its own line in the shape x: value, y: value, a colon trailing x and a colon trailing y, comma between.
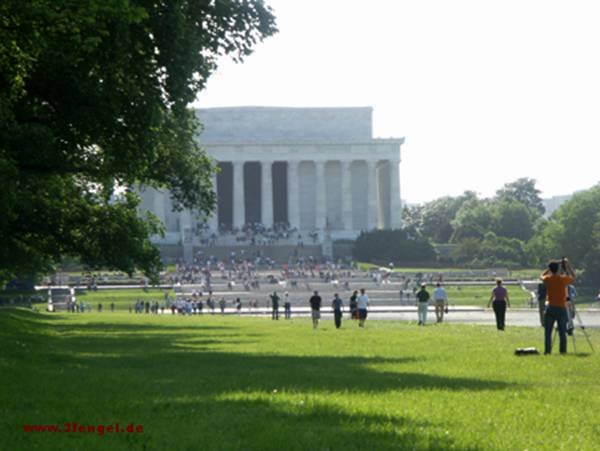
x: 319, y: 170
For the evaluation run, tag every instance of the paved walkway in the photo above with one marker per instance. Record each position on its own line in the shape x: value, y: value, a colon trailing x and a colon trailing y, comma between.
x: 514, y: 317
x: 459, y: 314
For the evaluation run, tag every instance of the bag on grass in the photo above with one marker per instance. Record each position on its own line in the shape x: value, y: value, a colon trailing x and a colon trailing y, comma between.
x: 526, y: 351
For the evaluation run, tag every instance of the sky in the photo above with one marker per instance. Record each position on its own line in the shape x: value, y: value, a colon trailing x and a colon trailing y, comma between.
x: 484, y: 91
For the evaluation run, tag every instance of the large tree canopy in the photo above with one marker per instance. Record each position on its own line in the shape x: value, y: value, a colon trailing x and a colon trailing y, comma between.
x: 94, y: 98
x: 433, y: 220
x: 522, y: 190
x: 574, y: 231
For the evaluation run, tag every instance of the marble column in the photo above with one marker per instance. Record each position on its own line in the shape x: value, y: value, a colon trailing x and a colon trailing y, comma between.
x: 321, y: 199
x: 293, y: 200
x: 185, y: 225
x: 347, y: 195
x: 239, y: 210
x: 395, y: 202
x: 266, y: 204
x: 186, y: 235
x: 213, y: 221
x: 371, y: 194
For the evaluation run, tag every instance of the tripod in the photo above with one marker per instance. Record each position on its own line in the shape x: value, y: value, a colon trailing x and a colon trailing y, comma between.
x: 582, y: 327
x: 570, y: 316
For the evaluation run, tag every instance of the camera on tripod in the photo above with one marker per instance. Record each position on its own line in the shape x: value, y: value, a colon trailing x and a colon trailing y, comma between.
x: 560, y: 263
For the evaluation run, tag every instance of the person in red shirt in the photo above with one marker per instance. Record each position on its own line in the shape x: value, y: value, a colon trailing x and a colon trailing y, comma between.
x: 556, y: 302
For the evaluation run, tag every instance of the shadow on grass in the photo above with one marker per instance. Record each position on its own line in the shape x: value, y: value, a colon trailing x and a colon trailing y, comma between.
x: 134, y: 328
x: 272, y: 425
x: 214, y: 358
x: 179, y: 385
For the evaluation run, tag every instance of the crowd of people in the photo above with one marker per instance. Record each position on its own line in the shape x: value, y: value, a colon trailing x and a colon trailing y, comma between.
x: 242, y: 270
x: 555, y: 292
x: 254, y: 233
x: 83, y: 307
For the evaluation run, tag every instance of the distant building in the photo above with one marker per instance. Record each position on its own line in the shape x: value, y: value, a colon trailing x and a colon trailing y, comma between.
x: 316, y: 169
x: 554, y: 202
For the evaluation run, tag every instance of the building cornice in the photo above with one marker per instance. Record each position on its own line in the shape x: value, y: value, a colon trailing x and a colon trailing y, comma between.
x: 398, y: 141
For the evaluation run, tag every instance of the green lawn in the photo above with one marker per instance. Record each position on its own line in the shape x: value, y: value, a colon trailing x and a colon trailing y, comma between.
x: 229, y: 383
x: 477, y: 295
x: 122, y: 298
x: 525, y: 273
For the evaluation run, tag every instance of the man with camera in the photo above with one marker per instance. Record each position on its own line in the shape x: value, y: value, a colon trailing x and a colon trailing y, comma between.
x: 556, y: 302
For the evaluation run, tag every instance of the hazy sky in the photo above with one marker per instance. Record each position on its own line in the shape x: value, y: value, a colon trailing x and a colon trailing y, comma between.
x: 485, y: 92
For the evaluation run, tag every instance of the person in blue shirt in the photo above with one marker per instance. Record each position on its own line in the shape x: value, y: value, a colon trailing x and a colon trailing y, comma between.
x: 337, y: 304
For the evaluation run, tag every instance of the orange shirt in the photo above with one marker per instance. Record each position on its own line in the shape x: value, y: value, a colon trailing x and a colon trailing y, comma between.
x: 556, y: 288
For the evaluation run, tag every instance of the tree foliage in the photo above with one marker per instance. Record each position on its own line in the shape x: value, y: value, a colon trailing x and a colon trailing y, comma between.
x: 433, y: 220
x: 473, y: 220
x: 466, y: 221
x: 573, y: 231
x: 512, y: 219
x: 94, y: 98
x: 501, y: 251
x: 466, y: 250
x: 385, y: 246
x: 522, y: 190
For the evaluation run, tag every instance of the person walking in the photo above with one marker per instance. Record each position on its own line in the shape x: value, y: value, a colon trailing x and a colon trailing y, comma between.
x: 275, y: 306
x: 287, y: 306
x: 556, y: 303
x: 353, y: 305
x: 315, y: 308
x: 362, y: 304
x: 337, y: 304
x: 441, y: 302
x: 423, y: 297
x: 499, y: 300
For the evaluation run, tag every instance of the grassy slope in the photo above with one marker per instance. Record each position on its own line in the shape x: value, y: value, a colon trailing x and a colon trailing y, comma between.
x: 246, y: 383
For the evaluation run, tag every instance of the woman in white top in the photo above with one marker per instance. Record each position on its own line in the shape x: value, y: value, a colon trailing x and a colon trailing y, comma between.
x: 362, y: 302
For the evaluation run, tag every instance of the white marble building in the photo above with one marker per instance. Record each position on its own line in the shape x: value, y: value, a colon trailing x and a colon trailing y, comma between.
x: 314, y: 168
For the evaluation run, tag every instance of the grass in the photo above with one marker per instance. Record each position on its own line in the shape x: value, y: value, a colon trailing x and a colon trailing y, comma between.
x: 229, y: 383
x: 524, y: 273
x: 122, y: 298
x: 476, y: 295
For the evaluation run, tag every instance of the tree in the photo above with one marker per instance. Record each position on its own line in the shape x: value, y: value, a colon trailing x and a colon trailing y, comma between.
x: 512, y: 219
x: 573, y: 231
x: 501, y: 251
x: 466, y: 250
x: 433, y: 220
x: 412, y: 219
x: 522, y: 190
x: 437, y: 216
x: 94, y: 100
x: 473, y: 220
x: 543, y: 246
x: 385, y: 246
